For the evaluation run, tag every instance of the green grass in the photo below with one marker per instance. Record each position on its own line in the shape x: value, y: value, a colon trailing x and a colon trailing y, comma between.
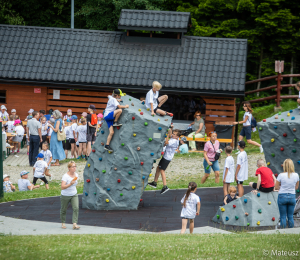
x: 144, y: 246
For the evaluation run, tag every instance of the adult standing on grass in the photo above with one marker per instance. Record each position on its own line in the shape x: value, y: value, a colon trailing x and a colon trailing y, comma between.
x: 56, y: 147
x: 69, y: 194
x: 199, y: 129
x: 246, y: 130
x: 35, y: 137
x: 287, y: 182
x: 211, y: 157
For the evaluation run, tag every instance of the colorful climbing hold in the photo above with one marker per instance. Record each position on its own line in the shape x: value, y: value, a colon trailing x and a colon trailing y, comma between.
x: 148, y: 109
x: 151, y: 154
x: 125, y: 158
x: 258, y: 223
x: 236, y: 217
x: 272, y: 140
x: 133, y: 187
x: 118, y: 127
x: 132, y: 104
x: 245, y: 200
x: 276, y: 174
x: 248, y: 224
x: 138, y: 148
x: 269, y: 202
x: 222, y: 209
x: 162, y: 153
x: 116, y: 168
x: 275, y: 127
x: 268, y: 163
x: 294, y: 150
x: 134, y: 134
x: 141, y: 200
x: 159, y: 128
x: 141, y: 113
x: 154, y: 161
x: 295, y: 140
x: 107, y: 200
x: 234, y: 206
x: 276, y: 117
x: 292, y: 118
x: 86, y: 194
x: 298, y: 191
x: 288, y: 114
x: 133, y: 118
x: 97, y: 179
x: 95, y: 193
x: 282, y: 119
x: 264, y: 120
x: 102, y: 131
x: 291, y: 111
x: 108, y: 189
x: 93, y: 150
x: 109, y: 152
x: 273, y: 154
x: 140, y: 110
x: 158, y: 119
x: 294, y: 129
x: 119, y: 180
x: 279, y: 113
x: 145, y: 123
x: 285, y: 135
x: 130, y: 99
x: 258, y: 194
x: 104, y: 171
x: 142, y: 163
x: 259, y: 211
x: 260, y: 128
x: 122, y: 144
x: 150, y: 139
x: 282, y: 149
x: 218, y: 216
x: 130, y: 172
x: 88, y: 180
x: 227, y: 218
x: 273, y: 219
x: 143, y: 177
x: 246, y: 213
x: 150, y: 174
x: 89, y: 165
x: 121, y: 194
x: 100, y: 159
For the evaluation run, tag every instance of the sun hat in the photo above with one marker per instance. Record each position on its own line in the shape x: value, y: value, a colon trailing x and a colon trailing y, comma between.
x: 18, y: 121
x: 40, y: 155
x: 100, y: 115
x: 5, y: 176
x: 13, y: 111
x: 74, y: 117
x: 30, y: 111
x: 92, y: 107
x: 23, y: 173
x: 3, y: 107
x: 84, y: 114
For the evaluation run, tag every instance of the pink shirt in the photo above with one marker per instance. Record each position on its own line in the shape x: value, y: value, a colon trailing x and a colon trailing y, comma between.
x: 208, y: 147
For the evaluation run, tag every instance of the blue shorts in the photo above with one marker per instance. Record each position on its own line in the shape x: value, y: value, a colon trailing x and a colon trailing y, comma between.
x: 215, y: 166
x: 110, y: 119
x: 246, y: 131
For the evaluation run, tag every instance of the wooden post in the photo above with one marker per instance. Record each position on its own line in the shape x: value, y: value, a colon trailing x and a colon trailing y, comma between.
x: 278, y: 89
x: 150, y: 34
x: 178, y: 36
x: 127, y: 32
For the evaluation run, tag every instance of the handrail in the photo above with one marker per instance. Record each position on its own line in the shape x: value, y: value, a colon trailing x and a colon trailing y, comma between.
x: 270, y: 87
x: 272, y: 77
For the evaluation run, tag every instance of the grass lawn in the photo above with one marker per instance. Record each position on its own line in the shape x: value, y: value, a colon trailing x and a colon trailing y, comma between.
x: 156, y: 246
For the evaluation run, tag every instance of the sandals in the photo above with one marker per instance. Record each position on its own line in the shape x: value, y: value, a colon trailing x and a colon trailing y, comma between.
x: 54, y: 164
x: 76, y: 227
x: 63, y: 226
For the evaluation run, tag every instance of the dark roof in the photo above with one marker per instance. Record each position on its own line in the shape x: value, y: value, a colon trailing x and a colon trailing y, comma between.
x: 150, y: 20
x: 88, y: 58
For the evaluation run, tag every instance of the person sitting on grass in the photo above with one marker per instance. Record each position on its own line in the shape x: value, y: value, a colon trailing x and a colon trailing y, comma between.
x: 183, y: 148
x: 24, y: 184
x: 231, y: 196
x: 7, y: 184
x: 112, y: 113
x: 39, y: 170
x: 241, y: 172
x: 228, y: 174
x: 189, y: 203
x: 171, y: 146
x: 47, y: 158
x: 152, y: 98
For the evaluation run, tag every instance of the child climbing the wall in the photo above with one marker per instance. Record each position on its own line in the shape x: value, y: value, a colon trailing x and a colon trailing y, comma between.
x: 171, y: 146
x: 298, y: 88
x: 152, y: 98
x: 231, y: 196
x: 112, y: 113
x: 190, y: 202
x: 241, y: 172
x: 228, y: 174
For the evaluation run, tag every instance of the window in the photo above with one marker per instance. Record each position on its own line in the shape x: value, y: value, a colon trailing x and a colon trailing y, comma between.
x: 2, y: 96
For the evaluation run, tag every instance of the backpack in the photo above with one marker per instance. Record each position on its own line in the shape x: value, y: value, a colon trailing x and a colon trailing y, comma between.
x: 94, y: 119
x: 253, y: 122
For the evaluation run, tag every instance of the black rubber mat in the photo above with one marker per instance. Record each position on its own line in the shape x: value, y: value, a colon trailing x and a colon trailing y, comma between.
x: 156, y: 212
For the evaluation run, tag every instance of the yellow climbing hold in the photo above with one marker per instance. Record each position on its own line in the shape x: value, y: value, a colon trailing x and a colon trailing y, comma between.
x: 269, y: 202
x: 288, y: 114
x: 133, y: 187
x: 158, y: 119
x: 150, y: 174
x: 272, y: 140
x: 268, y: 163
x: 134, y: 134
x: 222, y: 209
x: 258, y: 223
x: 89, y: 165
x: 109, y: 152
x: 107, y: 200
x: 140, y: 109
x: 148, y: 109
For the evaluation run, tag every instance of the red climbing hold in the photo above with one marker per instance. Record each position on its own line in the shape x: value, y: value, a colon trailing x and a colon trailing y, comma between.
x: 273, y: 219
x: 133, y: 118
x: 276, y: 174
x: 285, y: 135
x: 142, y: 163
x: 88, y: 180
x: 234, y: 206
x: 118, y: 127
x: 141, y: 200
x: 264, y: 120
x: 141, y: 113
x: 94, y: 150
x: 162, y: 153
x: 281, y: 149
x: 119, y: 180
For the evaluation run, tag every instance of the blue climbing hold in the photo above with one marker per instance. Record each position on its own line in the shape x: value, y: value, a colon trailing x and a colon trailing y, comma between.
x: 159, y: 128
x: 151, y: 154
x: 100, y: 159
x: 227, y: 218
x: 298, y: 162
x: 143, y: 103
x: 258, y: 194
x: 86, y: 193
x: 275, y: 127
x: 102, y: 131
x: 293, y: 118
x: 108, y: 189
x: 291, y: 111
x: 144, y: 177
x: 245, y: 200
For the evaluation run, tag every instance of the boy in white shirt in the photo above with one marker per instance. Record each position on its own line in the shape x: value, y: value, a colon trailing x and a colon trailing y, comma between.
x: 171, y: 146
x: 47, y: 158
x: 228, y: 173
x: 24, y: 184
x: 66, y: 143
x: 3, y: 113
x: 39, y: 170
x: 112, y: 114
x: 10, y: 124
x: 241, y: 173
x: 152, y: 98
x: 73, y: 136
x: 20, y: 131
x: 81, y: 137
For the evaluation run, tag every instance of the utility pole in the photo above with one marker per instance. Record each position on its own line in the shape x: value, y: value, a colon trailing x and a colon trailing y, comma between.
x: 72, y: 14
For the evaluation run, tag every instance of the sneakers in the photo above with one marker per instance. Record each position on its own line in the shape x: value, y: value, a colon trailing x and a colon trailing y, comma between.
x: 117, y: 124
x: 50, y: 178
x: 86, y: 158
x: 164, y: 190
x: 152, y: 184
x: 108, y: 148
x: 42, y: 183
x: 79, y: 157
x: 18, y: 151
x: 261, y: 149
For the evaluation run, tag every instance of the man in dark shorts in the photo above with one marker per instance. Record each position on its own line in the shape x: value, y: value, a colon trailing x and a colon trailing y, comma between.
x: 91, y: 128
x: 266, y: 179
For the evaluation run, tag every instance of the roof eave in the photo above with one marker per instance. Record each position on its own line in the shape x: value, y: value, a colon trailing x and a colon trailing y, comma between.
x: 156, y: 29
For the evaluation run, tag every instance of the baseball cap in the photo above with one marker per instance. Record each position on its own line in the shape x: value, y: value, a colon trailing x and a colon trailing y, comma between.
x: 74, y: 117
x: 23, y: 173
x: 5, y: 176
x: 40, y: 155
x: 3, y: 107
x: 13, y: 111
x: 18, y: 121
x: 92, y: 107
x: 183, y: 139
x: 30, y: 111
x: 242, y: 144
x: 117, y: 91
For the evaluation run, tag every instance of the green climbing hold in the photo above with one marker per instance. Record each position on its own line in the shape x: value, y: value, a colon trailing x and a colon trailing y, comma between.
x: 150, y: 139
x: 298, y: 191
x: 273, y: 154
x: 295, y: 140
x: 146, y: 123
x: 260, y: 128
x: 282, y: 119
x: 122, y: 144
x: 218, y: 216
x: 121, y: 194
x: 154, y: 161
x: 259, y: 211
x: 294, y: 150
x: 248, y: 224
x: 236, y: 217
x: 130, y: 172
x: 104, y: 171
x: 130, y: 99
x: 279, y: 113
x: 126, y: 158
x: 95, y: 193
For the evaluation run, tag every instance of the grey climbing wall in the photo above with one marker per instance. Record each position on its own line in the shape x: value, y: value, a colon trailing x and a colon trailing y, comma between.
x: 116, y: 181
x: 280, y: 138
x: 250, y: 210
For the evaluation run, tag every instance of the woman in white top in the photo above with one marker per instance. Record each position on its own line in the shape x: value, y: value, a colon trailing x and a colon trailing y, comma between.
x: 69, y: 194
x: 287, y: 182
x: 246, y: 130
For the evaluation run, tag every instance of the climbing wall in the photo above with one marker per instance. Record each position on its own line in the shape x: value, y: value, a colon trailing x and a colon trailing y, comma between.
x: 250, y: 210
x: 116, y: 181
x: 280, y: 138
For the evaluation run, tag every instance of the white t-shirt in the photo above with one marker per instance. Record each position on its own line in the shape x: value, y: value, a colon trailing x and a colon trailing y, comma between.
x: 4, y: 116
x: 152, y: 98
x: 44, y: 128
x: 229, y: 163
x: 111, y: 106
x: 287, y: 185
x: 20, y: 130
x: 190, y: 209
x: 248, y: 122
x: 73, y: 128
x: 10, y: 126
x: 23, y: 184
x: 67, y: 131
x: 171, y: 148
x: 47, y: 155
x: 40, y: 167
x: 50, y: 132
x: 82, y: 133
x: 71, y: 191
x: 242, y: 160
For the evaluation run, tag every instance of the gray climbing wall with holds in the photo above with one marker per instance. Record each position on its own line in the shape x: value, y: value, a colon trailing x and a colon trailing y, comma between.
x: 116, y: 181
x: 280, y: 138
x: 251, y: 210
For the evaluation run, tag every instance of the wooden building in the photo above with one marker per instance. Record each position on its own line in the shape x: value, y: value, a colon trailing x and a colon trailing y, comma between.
x: 43, y: 68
